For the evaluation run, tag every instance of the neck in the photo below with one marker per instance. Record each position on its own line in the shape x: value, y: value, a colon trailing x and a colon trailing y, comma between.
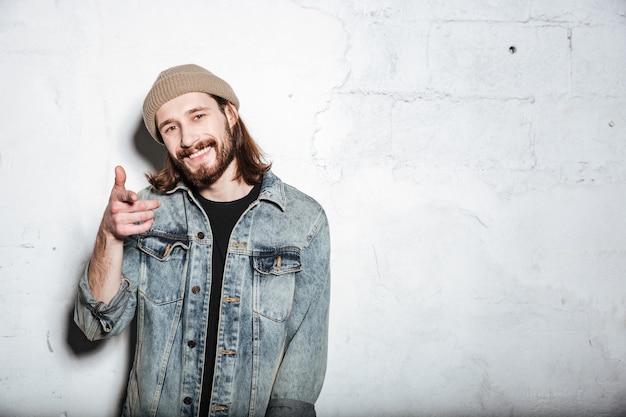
x: 226, y: 188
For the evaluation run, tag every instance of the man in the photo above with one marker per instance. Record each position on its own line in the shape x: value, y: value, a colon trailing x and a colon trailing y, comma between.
x: 225, y: 267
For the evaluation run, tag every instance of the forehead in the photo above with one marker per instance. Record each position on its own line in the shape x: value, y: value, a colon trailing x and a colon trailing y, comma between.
x: 183, y: 103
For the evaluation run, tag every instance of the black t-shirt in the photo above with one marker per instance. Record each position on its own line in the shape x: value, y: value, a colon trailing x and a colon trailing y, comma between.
x: 223, y: 216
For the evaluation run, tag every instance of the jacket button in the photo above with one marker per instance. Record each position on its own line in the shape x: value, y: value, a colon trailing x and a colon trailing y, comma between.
x: 200, y: 235
x: 191, y: 344
x: 187, y: 400
x: 195, y: 289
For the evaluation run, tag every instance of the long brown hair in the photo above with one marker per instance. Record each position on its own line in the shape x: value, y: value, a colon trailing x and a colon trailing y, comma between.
x: 251, y: 164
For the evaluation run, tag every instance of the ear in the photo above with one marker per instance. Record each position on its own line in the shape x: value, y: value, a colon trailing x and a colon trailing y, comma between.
x: 231, y: 114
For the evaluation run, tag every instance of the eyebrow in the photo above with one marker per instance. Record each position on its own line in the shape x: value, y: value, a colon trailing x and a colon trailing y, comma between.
x: 187, y: 113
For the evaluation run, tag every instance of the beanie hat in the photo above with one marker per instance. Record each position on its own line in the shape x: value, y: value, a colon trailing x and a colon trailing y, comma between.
x: 180, y: 80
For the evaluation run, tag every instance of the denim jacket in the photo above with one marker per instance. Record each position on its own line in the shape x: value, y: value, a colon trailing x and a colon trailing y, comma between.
x: 273, y: 325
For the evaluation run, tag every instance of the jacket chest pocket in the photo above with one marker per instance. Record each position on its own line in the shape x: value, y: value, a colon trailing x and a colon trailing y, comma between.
x: 164, y: 267
x: 274, y: 282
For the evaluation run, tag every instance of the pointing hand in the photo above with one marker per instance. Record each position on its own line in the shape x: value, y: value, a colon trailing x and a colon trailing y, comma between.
x: 125, y: 214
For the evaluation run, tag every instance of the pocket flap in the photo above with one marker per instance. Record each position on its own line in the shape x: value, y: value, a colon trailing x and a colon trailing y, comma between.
x: 161, y: 247
x: 277, y: 262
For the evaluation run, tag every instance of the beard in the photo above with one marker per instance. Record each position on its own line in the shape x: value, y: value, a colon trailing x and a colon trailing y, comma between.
x: 206, y: 175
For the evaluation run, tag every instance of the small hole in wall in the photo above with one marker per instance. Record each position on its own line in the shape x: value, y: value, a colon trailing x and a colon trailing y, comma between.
x: 512, y: 49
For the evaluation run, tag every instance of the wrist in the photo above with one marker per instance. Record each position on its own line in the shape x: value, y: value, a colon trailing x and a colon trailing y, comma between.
x: 105, y: 239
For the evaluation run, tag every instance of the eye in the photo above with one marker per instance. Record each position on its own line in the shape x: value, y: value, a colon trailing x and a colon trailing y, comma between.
x: 198, y: 116
x: 169, y: 129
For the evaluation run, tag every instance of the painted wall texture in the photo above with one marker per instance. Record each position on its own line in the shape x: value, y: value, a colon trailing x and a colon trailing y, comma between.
x: 471, y: 156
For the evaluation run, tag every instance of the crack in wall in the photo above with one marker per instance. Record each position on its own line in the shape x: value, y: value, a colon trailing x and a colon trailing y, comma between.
x: 327, y: 98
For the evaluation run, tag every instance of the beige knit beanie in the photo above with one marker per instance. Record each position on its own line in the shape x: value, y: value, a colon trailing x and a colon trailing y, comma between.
x: 180, y: 80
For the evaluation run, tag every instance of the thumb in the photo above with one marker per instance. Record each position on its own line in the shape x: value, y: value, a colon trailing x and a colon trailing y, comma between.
x: 120, y: 179
x: 119, y: 188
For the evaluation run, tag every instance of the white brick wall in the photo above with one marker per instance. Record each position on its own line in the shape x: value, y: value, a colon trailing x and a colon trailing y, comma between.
x: 476, y: 195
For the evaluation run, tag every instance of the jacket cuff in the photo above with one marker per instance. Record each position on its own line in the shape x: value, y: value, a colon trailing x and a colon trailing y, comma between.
x: 290, y: 408
x: 106, y: 314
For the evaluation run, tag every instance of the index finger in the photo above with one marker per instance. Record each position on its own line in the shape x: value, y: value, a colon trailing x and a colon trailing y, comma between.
x: 144, y: 205
x: 125, y: 196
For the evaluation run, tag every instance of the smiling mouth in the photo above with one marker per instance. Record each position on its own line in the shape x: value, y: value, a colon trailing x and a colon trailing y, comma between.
x: 199, y: 153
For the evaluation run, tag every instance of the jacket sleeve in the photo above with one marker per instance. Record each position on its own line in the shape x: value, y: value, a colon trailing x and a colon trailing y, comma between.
x: 98, y: 320
x: 301, y: 374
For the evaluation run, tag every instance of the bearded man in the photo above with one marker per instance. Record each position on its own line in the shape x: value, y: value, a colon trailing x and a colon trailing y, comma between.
x: 226, y: 268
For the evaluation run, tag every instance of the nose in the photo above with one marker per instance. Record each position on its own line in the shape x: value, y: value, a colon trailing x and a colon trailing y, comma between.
x: 189, y: 137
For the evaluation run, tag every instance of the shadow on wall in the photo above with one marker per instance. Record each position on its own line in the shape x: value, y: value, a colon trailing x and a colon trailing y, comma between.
x: 152, y: 152
x: 82, y: 347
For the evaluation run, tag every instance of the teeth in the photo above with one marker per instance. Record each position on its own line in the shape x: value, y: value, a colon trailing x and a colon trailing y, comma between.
x: 197, y: 154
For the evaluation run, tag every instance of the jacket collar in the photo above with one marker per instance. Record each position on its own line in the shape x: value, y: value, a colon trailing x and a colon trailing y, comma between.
x: 272, y: 190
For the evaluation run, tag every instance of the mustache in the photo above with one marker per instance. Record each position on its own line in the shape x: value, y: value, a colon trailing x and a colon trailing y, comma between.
x: 183, y: 153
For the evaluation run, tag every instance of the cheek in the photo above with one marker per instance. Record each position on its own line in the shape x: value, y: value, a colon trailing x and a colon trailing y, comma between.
x: 171, y: 147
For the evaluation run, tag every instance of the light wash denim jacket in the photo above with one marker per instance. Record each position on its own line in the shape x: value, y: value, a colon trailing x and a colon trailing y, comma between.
x: 273, y: 328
